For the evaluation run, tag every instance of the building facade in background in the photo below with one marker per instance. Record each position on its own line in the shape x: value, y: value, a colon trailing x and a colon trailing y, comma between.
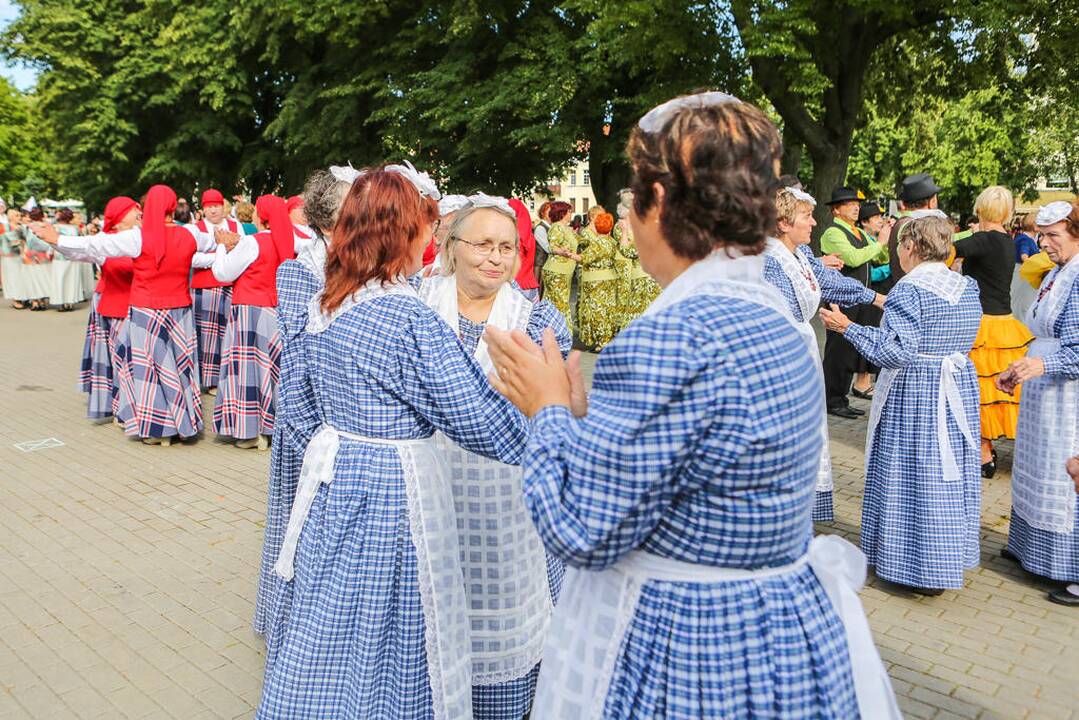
x: 575, y: 187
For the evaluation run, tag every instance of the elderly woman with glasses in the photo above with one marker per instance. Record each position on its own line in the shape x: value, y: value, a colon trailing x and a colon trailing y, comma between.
x: 475, y: 291
x: 922, y: 506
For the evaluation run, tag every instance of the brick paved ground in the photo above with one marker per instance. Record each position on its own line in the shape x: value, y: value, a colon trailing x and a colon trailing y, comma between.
x: 127, y: 573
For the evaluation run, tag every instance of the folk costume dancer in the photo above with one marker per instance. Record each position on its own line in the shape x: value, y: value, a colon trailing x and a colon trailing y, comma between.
x: 519, y: 583
x: 66, y: 276
x: 804, y: 281
x: 211, y: 297
x: 562, y: 261
x: 680, y: 489
x: 378, y: 622
x: 159, y: 380
x: 250, y: 356
x: 1044, y: 531
x: 922, y: 506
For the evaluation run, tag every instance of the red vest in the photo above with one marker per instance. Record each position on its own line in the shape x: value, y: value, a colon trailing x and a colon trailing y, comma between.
x: 166, y: 286
x: 115, y: 287
x: 257, y: 285
x: 204, y: 278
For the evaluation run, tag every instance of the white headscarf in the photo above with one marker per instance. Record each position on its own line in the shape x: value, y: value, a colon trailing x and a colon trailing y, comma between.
x: 656, y: 118
x: 1053, y: 213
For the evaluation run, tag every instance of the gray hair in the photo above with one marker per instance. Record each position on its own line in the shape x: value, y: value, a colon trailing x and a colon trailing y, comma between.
x: 625, y: 200
x: 449, y: 263
x: 930, y: 238
x: 322, y: 197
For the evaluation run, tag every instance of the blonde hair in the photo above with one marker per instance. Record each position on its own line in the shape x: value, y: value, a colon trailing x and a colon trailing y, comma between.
x: 449, y: 261
x: 930, y: 238
x: 594, y: 212
x: 995, y: 205
x: 788, y: 206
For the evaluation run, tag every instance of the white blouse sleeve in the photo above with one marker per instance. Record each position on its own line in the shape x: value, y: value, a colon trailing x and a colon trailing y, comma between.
x: 204, y: 241
x: 126, y: 243
x: 203, y: 260
x: 229, y: 265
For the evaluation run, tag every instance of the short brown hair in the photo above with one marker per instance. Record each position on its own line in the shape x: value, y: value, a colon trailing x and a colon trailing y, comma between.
x: 930, y: 238
x: 788, y: 206
x: 717, y: 167
x: 245, y: 211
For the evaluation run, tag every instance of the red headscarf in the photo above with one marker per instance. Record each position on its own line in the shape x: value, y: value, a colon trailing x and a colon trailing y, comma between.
x: 273, y: 212
x: 212, y: 197
x: 116, y: 210
x: 296, y: 201
x: 526, y: 277
x: 160, y: 204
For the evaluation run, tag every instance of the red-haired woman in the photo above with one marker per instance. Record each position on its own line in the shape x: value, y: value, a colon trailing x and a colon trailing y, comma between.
x: 159, y: 380
x: 598, y: 315
x: 378, y: 622
x: 250, y: 356
x: 102, y: 349
x: 558, y: 270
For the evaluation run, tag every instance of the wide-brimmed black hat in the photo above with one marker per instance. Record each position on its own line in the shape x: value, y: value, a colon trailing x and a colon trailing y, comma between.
x: 845, y: 194
x: 868, y: 210
x: 919, y: 186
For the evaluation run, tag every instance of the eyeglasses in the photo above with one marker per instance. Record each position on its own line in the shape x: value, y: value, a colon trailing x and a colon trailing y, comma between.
x: 486, y: 248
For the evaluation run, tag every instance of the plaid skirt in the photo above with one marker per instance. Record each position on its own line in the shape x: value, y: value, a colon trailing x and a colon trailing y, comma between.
x: 211, y: 308
x: 159, y: 387
x: 96, y: 377
x: 823, y: 510
x: 1048, y: 554
x: 250, y: 369
x: 121, y: 409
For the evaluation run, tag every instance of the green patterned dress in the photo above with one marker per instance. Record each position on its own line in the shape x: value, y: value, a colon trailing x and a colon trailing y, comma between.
x: 558, y: 271
x: 598, y: 316
x: 637, y: 289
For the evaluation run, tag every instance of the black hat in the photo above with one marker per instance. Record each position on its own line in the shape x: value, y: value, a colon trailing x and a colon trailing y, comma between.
x: 868, y: 210
x: 918, y: 187
x: 845, y: 194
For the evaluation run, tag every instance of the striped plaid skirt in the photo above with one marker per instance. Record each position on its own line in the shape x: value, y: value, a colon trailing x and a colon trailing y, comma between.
x: 159, y: 386
x: 96, y: 377
x: 1049, y: 554
x: 250, y: 370
x: 211, y: 308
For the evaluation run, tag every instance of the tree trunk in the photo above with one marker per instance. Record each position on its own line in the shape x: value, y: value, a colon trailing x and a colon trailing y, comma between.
x: 829, y: 169
x: 793, y: 148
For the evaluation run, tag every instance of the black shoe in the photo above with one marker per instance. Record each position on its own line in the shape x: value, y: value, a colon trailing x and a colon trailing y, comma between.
x: 856, y: 411
x: 1009, y: 555
x: 1061, y: 596
x: 865, y: 395
x: 989, y: 469
x: 844, y: 411
x: 930, y: 592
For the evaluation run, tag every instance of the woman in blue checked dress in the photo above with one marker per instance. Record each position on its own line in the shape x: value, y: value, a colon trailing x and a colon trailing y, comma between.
x: 922, y: 505
x: 1044, y: 532
x: 804, y: 281
x: 297, y: 419
x: 377, y: 625
x: 679, y: 491
x: 475, y: 291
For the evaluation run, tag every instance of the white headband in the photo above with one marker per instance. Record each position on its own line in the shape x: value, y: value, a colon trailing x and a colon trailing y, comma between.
x: 801, y: 195
x: 345, y: 173
x: 1053, y: 213
x: 451, y: 204
x: 656, y: 118
x: 928, y: 212
x: 420, y: 180
x: 501, y: 204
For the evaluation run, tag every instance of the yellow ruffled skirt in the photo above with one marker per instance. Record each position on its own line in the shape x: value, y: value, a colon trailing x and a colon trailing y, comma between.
x: 1001, y: 340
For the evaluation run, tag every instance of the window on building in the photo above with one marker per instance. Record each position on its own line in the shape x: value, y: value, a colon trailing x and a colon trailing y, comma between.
x: 587, y: 180
x: 584, y: 202
x: 572, y: 178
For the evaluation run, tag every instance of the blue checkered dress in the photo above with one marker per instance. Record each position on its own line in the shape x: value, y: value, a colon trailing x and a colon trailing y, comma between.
x: 353, y: 645
x: 295, y: 423
x: 695, y: 448
x: 512, y: 700
x: 1049, y: 554
x: 835, y: 288
x: 918, y: 529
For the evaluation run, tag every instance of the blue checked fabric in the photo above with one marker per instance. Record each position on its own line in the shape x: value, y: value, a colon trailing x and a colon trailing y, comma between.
x: 835, y: 286
x: 918, y: 529
x: 698, y: 445
x: 352, y: 643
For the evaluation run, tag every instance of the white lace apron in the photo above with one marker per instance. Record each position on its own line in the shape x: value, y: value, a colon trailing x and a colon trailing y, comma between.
x: 432, y: 524
x: 596, y: 608
x: 935, y: 278
x: 807, y: 292
x: 1047, y: 433
x: 505, y: 567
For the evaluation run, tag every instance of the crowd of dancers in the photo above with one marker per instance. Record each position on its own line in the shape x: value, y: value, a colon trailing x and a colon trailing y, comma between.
x: 448, y: 505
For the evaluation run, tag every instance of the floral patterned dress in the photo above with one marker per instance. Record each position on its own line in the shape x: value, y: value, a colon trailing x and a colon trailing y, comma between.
x: 636, y: 289
x: 598, y: 315
x: 558, y: 270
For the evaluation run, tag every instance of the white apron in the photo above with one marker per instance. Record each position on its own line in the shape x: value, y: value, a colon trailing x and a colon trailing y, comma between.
x: 1047, y: 433
x: 935, y: 278
x: 807, y: 292
x: 502, y: 556
x: 432, y: 524
x: 596, y: 608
